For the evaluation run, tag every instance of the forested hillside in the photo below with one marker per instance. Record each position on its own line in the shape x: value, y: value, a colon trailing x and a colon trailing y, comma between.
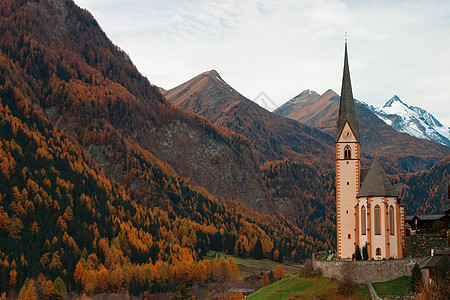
x: 425, y: 192
x: 61, y: 217
x: 86, y: 204
x: 61, y: 59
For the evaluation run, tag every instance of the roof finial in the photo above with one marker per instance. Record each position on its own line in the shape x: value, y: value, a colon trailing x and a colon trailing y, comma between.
x: 346, y: 36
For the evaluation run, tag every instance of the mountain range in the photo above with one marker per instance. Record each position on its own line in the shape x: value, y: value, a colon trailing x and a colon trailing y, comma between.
x: 404, y: 152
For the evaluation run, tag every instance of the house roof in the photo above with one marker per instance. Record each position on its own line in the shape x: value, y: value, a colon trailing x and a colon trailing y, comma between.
x: 376, y: 182
x: 243, y: 291
x: 430, y: 217
x: 425, y: 217
x: 431, y: 261
x: 409, y: 218
x: 347, y: 105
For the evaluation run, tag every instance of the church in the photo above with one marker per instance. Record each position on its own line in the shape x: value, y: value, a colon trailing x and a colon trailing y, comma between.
x: 368, y: 210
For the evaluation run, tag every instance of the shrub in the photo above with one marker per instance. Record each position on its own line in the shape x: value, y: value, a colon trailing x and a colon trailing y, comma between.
x: 309, y: 271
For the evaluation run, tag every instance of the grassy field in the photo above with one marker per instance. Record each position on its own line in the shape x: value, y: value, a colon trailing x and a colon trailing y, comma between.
x: 397, y: 287
x: 250, y: 266
x: 306, y: 288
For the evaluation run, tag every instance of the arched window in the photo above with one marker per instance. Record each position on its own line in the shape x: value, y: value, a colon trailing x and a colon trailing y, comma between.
x: 347, y: 152
x: 391, y: 220
x: 363, y: 220
x: 377, y: 219
x: 378, y: 251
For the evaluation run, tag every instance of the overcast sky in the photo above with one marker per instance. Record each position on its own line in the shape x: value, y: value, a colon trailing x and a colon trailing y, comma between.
x: 284, y: 47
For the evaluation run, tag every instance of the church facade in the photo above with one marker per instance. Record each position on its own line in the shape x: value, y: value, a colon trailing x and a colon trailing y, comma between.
x: 368, y: 210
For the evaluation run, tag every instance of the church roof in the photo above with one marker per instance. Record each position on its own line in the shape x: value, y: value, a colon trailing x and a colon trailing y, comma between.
x: 364, y: 174
x: 376, y: 182
x: 347, y: 105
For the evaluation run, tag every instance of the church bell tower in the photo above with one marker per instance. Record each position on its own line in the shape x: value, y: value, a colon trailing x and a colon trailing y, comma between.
x: 348, y: 166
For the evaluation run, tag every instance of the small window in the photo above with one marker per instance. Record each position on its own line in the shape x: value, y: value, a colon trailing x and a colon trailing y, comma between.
x: 349, y: 236
x: 347, y: 152
x: 348, y: 183
x: 378, y: 251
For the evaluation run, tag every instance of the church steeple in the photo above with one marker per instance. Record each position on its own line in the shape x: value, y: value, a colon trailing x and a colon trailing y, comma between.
x: 347, y: 106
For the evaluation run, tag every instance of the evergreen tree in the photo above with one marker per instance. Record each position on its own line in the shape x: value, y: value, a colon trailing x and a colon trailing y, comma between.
x: 258, y: 251
x: 358, y: 253
x: 184, y: 293
x: 416, y: 278
x: 441, y: 277
x: 59, y: 288
x: 4, y: 280
x: 442, y: 269
x: 364, y: 252
x: 216, y: 242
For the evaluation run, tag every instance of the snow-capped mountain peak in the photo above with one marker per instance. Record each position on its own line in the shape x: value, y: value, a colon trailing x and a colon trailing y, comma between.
x: 393, y: 101
x: 412, y: 120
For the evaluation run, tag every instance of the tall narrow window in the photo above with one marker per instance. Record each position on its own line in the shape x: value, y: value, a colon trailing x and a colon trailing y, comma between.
x: 391, y: 220
x: 377, y: 220
x: 378, y: 251
x: 347, y: 152
x: 363, y: 220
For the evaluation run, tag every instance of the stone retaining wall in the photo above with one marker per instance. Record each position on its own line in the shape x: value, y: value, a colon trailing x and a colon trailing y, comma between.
x: 365, y: 271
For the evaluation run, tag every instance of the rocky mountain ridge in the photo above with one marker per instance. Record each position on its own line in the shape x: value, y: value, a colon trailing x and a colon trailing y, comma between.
x: 412, y: 120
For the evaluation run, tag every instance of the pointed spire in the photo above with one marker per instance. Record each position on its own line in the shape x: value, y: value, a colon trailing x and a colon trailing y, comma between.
x: 347, y: 105
x: 376, y: 183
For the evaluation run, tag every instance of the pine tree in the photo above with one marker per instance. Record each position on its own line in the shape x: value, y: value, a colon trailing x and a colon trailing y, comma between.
x: 442, y: 269
x: 4, y: 280
x: 258, y: 251
x: 364, y: 252
x: 184, y: 293
x: 59, y: 288
x: 416, y: 278
x: 358, y: 253
x: 441, y: 277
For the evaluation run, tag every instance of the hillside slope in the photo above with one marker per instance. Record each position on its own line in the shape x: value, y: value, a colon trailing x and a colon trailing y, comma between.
x: 60, y: 216
x: 90, y: 89
x: 425, y: 192
x: 296, y: 158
